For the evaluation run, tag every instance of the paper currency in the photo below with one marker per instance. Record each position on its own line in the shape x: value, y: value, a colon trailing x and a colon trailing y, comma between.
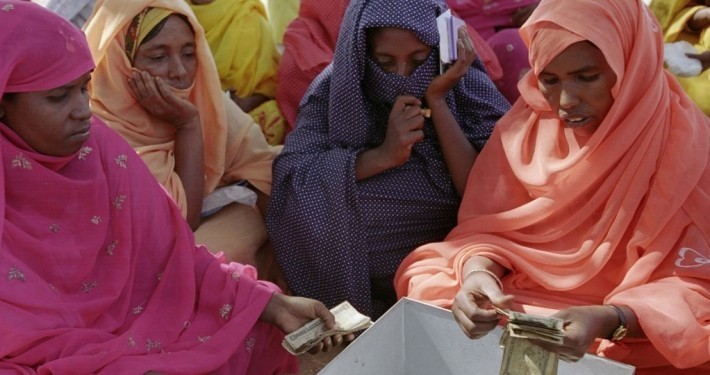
x: 522, y: 356
x: 347, y: 320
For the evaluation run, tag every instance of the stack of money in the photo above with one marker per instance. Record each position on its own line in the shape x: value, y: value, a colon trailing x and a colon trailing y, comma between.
x: 522, y: 356
x: 347, y: 320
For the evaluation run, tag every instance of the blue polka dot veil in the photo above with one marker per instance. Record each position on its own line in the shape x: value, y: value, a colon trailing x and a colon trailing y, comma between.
x: 339, y: 239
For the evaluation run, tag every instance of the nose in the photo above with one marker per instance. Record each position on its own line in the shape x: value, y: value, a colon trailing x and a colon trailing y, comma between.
x: 568, y: 97
x: 81, y: 110
x: 404, y: 69
x: 176, y: 69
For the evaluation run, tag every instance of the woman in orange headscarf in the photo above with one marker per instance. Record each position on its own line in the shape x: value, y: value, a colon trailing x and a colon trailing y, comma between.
x: 590, y: 200
x: 156, y: 84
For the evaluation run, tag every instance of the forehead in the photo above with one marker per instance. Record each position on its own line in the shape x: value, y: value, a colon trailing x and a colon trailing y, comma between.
x: 580, y: 55
x: 392, y: 37
x: 175, y: 32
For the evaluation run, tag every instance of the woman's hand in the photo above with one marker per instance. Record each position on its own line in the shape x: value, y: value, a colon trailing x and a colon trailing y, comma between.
x: 291, y: 313
x: 583, y: 324
x: 703, y: 57
x: 155, y: 97
x: 473, y: 304
x: 700, y: 20
x: 404, y: 129
x: 248, y: 103
x: 442, y: 84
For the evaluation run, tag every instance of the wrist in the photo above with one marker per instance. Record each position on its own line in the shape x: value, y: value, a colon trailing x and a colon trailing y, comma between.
x: 271, y: 310
x: 617, y: 324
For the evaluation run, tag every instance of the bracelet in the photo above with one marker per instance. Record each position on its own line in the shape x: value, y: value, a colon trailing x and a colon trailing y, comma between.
x: 493, y: 275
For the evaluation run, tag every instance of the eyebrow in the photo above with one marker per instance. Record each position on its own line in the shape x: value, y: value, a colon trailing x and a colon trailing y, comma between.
x: 584, y: 69
x: 165, y: 46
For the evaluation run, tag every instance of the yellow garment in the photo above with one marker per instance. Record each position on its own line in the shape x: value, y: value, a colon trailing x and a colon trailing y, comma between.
x: 240, y: 37
x: 673, y: 15
x: 241, y: 40
x: 234, y: 147
x: 281, y: 13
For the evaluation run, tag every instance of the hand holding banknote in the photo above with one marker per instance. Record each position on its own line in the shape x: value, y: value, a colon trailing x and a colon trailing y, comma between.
x: 473, y: 304
x: 290, y: 313
x: 310, y: 335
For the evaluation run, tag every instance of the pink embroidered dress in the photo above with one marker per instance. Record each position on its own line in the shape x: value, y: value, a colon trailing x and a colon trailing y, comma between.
x: 98, y: 270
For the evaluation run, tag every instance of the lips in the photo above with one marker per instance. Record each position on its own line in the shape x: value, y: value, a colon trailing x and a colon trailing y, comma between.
x: 575, y: 120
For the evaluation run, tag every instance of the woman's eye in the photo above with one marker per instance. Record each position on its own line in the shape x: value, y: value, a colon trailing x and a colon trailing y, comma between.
x: 157, y: 58
x: 549, y: 81
x: 57, y: 98
x: 591, y: 78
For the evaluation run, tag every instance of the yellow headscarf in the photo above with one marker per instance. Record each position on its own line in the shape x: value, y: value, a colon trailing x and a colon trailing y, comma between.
x: 141, y: 26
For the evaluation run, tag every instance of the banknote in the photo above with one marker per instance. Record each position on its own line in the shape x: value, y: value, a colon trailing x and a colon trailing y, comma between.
x: 347, y: 320
x: 523, y: 357
x: 520, y: 354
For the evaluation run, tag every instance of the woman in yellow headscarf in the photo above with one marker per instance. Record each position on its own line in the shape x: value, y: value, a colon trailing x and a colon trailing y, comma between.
x: 689, y: 20
x: 241, y: 39
x: 156, y: 84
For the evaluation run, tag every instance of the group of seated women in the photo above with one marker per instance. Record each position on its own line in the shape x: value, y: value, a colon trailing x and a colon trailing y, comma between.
x: 586, y: 200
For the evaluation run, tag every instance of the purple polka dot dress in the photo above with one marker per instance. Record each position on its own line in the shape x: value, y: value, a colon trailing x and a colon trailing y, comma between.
x: 337, y: 238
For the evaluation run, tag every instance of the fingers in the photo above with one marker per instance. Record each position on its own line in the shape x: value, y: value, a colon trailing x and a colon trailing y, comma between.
x: 324, y: 314
x: 403, y: 101
x: 144, y: 85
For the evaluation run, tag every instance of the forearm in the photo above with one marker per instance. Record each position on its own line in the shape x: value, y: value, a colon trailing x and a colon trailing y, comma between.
x: 370, y: 163
x: 458, y: 152
x: 189, y: 165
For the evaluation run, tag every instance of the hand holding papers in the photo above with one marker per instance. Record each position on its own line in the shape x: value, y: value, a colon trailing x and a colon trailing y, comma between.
x: 448, y: 26
x: 522, y: 356
x: 347, y: 320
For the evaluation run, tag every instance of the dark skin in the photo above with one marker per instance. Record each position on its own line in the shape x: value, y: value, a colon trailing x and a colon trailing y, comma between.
x: 699, y: 22
x: 399, y: 51
x: 522, y: 14
x: 473, y: 311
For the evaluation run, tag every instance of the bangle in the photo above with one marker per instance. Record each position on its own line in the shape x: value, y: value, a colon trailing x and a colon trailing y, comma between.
x: 491, y: 274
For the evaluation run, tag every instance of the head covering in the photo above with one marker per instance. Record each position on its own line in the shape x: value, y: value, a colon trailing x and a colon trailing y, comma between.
x: 99, y: 271
x: 141, y: 25
x: 597, y: 222
x: 371, y: 224
x: 26, y: 69
x: 225, y: 132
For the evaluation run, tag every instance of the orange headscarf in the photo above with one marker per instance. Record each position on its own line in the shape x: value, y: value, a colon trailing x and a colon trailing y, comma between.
x: 231, y: 152
x: 613, y: 220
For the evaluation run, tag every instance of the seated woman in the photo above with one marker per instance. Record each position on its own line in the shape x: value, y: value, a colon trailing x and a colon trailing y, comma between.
x: 309, y: 43
x: 156, y: 84
x: 100, y: 272
x: 242, y: 43
x: 689, y: 20
x: 590, y: 201
x: 498, y: 22
x: 365, y: 177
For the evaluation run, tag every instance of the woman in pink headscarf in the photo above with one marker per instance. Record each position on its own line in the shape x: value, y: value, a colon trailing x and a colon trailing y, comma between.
x: 590, y: 200
x: 100, y: 273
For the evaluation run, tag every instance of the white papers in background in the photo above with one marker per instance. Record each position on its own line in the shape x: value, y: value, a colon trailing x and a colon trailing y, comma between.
x: 678, y: 63
x: 448, y: 26
x: 226, y: 195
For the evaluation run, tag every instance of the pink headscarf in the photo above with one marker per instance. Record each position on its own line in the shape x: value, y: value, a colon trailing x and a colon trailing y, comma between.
x: 98, y: 269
